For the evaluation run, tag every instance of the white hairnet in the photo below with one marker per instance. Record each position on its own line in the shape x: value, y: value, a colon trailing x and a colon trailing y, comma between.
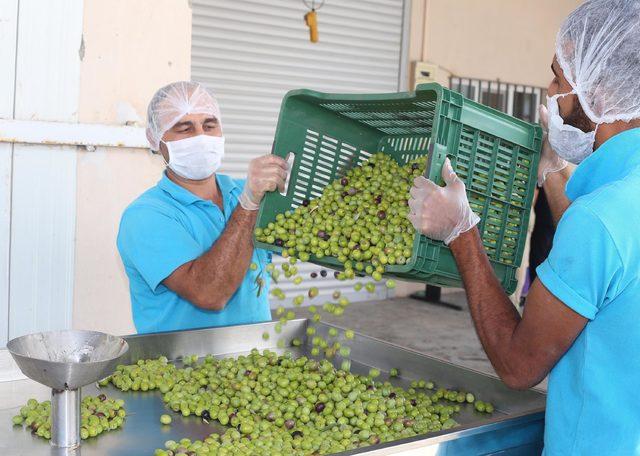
x: 598, y: 49
x: 174, y: 101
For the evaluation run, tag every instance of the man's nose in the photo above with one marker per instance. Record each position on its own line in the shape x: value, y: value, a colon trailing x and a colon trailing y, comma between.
x: 199, y: 130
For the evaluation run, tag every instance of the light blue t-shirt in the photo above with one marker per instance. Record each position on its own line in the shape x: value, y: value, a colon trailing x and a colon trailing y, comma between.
x: 168, y: 226
x: 593, y: 402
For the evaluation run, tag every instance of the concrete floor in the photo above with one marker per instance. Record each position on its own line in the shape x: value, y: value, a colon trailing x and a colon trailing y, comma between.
x: 438, y: 331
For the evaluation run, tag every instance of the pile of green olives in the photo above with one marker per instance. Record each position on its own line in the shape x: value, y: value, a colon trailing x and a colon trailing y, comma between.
x: 98, y: 414
x: 360, y: 219
x: 277, y: 404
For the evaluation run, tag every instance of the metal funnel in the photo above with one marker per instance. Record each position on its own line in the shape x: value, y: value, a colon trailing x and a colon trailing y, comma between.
x: 65, y: 361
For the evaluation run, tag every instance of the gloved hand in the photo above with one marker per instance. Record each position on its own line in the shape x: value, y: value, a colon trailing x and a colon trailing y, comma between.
x: 441, y: 213
x: 266, y: 174
x: 550, y: 162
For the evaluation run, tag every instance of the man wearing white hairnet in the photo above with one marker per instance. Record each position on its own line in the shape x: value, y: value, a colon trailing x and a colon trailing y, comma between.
x: 581, y: 321
x: 186, y: 243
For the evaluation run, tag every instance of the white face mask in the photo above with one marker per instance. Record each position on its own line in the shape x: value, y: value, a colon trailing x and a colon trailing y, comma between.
x: 195, y: 158
x: 570, y: 143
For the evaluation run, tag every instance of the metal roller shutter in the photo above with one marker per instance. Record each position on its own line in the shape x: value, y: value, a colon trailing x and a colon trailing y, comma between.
x: 251, y: 52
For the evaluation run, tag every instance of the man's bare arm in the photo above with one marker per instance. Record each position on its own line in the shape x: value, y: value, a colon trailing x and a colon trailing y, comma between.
x: 521, y: 350
x: 210, y: 280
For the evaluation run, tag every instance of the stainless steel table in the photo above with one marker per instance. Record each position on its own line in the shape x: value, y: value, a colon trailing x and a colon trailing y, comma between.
x: 516, y: 428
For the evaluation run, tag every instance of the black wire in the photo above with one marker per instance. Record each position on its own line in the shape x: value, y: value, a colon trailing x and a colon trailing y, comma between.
x: 312, y: 7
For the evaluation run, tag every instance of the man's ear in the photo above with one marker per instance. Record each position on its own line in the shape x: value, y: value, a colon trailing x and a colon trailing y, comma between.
x: 162, y: 151
x: 149, y: 137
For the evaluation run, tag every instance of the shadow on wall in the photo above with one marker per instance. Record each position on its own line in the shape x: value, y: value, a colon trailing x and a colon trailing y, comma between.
x: 108, y: 181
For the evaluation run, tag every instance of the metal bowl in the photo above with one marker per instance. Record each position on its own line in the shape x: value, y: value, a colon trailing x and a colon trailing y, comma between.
x: 67, y: 360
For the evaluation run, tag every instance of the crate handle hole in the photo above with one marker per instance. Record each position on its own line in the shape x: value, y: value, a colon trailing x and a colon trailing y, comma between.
x: 291, y: 158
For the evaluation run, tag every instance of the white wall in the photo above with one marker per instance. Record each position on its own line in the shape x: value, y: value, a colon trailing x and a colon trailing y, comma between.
x: 131, y: 49
x: 8, y: 36
x: 509, y: 40
x: 41, y: 67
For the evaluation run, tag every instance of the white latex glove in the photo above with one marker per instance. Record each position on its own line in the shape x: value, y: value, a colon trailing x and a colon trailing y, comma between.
x: 266, y: 174
x: 550, y: 162
x: 441, y: 213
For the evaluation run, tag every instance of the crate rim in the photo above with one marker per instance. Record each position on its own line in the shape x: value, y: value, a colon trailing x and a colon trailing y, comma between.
x: 380, y: 96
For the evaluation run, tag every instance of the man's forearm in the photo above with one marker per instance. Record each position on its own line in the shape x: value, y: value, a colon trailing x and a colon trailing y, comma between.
x: 494, y: 316
x: 218, y: 273
x: 554, y: 188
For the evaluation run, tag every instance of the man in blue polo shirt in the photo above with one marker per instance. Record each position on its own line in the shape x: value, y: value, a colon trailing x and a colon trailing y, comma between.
x: 581, y: 321
x: 186, y: 243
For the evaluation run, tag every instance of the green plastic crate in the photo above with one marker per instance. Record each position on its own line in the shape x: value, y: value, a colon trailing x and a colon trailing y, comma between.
x: 496, y: 155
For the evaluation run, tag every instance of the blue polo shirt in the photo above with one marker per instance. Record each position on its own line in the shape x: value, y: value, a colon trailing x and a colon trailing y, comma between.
x: 593, y: 402
x: 168, y: 226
